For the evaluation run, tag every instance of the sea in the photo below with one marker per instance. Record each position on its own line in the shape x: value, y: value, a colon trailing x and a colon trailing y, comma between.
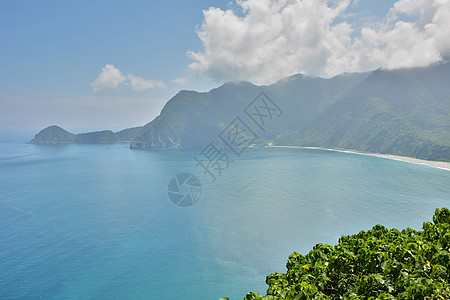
x: 95, y: 221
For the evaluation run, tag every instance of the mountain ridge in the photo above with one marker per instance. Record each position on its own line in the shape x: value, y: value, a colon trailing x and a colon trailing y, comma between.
x: 401, y: 112
x: 54, y: 134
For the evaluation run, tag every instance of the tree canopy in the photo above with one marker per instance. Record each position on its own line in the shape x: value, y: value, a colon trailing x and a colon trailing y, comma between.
x: 374, y: 264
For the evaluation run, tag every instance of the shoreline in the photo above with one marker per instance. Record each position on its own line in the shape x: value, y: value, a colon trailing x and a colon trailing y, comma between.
x: 430, y: 163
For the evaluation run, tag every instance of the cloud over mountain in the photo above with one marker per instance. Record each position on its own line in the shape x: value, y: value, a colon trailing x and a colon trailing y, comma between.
x: 269, y: 39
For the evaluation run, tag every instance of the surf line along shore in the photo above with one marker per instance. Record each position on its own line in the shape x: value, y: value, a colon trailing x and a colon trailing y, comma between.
x: 435, y: 164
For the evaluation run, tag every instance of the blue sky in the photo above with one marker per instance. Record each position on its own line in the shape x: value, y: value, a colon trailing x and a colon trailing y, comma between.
x: 56, y: 48
x: 54, y: 54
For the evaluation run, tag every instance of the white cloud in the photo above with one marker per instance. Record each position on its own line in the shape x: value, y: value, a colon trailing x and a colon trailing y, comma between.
x: 109, y: 78
x: 181, y: 80
x: 139, y: 84
x: 277, y: 38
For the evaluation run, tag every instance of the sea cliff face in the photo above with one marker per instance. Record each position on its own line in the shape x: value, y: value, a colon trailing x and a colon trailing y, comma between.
x: 190, y: 119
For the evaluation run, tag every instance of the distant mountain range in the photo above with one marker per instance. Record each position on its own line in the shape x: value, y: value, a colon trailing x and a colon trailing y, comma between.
x: 403, y: 112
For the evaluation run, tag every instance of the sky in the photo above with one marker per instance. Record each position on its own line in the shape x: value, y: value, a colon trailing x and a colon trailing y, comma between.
x: 93, y: 65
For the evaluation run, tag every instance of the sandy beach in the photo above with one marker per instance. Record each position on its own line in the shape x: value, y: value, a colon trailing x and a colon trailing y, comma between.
x: 430, y: 163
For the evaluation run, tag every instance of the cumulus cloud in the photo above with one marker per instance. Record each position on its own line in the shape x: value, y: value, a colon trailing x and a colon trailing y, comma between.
x: 111, y: 78
x: 139, y: 84
x: 181, y: 80
x: 271, y: 39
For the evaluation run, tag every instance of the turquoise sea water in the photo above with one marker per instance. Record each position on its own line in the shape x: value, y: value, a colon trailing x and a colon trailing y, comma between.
x: 95, y: 221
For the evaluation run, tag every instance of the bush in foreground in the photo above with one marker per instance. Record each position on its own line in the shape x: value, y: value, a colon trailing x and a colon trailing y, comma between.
x: 377, y: 264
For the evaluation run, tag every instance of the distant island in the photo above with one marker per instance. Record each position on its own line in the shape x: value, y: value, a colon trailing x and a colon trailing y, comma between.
x: 56, y: 135
x: 400, y: 112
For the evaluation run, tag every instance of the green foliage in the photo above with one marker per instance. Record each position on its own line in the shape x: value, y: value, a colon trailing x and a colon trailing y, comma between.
x: 377, y: 264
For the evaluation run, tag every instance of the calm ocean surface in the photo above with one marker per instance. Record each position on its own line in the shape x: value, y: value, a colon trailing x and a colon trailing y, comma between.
x: 95, y: 221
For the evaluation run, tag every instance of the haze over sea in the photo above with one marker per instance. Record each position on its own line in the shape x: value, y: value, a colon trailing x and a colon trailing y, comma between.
x: 95, y: 222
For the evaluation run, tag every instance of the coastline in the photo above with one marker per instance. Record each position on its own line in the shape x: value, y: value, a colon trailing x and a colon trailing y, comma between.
x: 430, y: 163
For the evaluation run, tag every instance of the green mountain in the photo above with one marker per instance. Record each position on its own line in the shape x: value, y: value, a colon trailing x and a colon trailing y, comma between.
x: 129, y: 134
x: 105, y: 136
x: 403, y: 112
x: 53, y: 135
x: 190, y: 119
